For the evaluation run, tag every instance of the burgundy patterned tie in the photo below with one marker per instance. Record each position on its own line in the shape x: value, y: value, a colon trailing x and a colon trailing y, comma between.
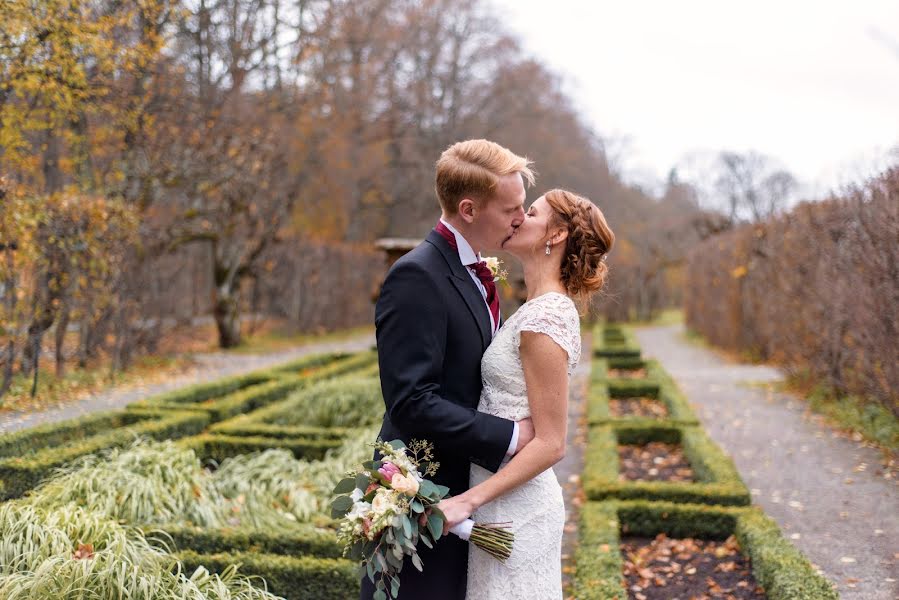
x: 481, y: 270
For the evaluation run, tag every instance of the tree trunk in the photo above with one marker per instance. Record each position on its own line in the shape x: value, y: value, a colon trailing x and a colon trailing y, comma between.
x: 61, y: 325
x: 226, y: 311
x: 7, y: 368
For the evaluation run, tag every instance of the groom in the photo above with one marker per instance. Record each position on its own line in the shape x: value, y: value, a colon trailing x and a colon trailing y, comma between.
x: 437, y: 313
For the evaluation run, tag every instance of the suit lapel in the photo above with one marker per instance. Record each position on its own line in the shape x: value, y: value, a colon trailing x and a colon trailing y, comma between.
x: 466, y: 287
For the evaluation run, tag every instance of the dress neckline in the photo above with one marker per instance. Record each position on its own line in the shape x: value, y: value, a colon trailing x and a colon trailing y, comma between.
x: 546, y: 294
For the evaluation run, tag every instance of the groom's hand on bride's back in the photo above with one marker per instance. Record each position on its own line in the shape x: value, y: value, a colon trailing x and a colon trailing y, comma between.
x: 525, y: 433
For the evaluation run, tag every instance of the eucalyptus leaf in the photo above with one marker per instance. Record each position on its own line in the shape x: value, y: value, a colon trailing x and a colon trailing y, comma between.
x: 428, y: 489
x: 435, y: 525
x: 407, y: 526
x: 341, y: 506
x: 345, y: 486
x: 417, y: 562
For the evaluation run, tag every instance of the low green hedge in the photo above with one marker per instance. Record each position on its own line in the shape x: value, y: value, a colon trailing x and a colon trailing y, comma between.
x: 304, y: 365
x: 273, y: 388
x: 325, y: 410
x: 294, y: 578
x: 718, y: 481
x: 616, y: 342
x: 236, y: 427
x: 306, y: 541
x: 218, y: 447
x: 779, y: 568
x: 626, y: 362
x: 26, y: 441
x: 187, y: 397
x: 630, y: 388
x: 656, y: 384
x: 22, y: 472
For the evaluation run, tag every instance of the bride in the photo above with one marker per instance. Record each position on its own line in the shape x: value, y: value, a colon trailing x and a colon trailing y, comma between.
x: 561, y: 244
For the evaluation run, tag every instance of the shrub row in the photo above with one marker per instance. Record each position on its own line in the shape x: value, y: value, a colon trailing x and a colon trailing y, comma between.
x: 218, y: 447
x: 777, y: 565
x: 713, y: 507
x: 21, y: 472
x: 269, y: 387
x: 616, y: 342
x: 292, y: 577
x: 657, y: 384
x: 816, y: 290
x: 718, y: 481
x: 301, y: 541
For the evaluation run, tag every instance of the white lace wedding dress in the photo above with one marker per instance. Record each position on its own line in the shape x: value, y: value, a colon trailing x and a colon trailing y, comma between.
x: 536, y: 508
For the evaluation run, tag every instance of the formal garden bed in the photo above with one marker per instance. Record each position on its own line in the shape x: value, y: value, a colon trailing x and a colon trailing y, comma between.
x: 240, y: 472
x: 655, y: 461
x: 609, y: 530
x: 666, y: 513
x: 196, y: 490
x: 651, y: 397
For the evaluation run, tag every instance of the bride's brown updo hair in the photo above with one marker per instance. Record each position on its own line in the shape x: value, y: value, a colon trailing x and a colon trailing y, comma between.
x: 590, y: 238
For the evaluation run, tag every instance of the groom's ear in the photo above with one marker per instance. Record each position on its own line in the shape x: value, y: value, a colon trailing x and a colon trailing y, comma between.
x: 467, y: 209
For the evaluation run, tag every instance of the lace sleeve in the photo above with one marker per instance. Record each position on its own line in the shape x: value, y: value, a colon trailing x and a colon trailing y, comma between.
x: 558, y: 318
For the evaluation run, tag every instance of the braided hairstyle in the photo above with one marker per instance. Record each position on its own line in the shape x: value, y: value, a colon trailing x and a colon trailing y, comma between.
x: 590, y: 238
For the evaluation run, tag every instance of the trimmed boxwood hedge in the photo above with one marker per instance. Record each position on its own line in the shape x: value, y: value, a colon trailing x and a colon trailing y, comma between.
x: 294, y: 578
x: 23, y: 471
x: 777, y: 565
x: 305, y: 541
x: 217, y: 447
x: 274, y: 386
x: 657, y: 384
x: 718, y: 479
x: 241, y: 428
x: 616, y: 342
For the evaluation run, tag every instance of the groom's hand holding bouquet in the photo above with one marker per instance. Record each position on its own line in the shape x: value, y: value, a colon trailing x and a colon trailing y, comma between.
x: 388, y: 507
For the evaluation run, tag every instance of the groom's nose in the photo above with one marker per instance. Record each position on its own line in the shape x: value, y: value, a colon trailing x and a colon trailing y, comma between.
x: 518, y: 219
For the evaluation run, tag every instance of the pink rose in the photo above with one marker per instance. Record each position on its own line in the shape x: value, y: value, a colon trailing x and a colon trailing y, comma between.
x: 388, y: 470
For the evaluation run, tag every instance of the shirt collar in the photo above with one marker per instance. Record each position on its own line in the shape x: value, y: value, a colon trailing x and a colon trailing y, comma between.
x: 466, y: 252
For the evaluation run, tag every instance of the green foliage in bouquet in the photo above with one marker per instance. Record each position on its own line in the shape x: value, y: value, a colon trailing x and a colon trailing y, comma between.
x: 387, y: 509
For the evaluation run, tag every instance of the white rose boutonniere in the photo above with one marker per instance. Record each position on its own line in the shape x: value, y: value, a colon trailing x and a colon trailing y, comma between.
x: 496, y: 267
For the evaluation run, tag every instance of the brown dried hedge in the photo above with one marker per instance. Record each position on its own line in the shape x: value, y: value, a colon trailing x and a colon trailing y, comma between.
x: 815, y: 290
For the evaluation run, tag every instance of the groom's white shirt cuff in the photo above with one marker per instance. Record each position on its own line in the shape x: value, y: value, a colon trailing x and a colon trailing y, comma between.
x: 514, y: 442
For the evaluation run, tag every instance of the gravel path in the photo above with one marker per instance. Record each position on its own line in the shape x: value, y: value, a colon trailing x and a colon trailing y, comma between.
x: 828, y: 494
x: 211, y: 366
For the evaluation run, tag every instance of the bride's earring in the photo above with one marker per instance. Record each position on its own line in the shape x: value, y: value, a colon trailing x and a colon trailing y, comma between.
x: 547, y: 248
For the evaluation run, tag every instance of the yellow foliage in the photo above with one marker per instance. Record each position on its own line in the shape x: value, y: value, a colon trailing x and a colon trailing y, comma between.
x: 739, y: 272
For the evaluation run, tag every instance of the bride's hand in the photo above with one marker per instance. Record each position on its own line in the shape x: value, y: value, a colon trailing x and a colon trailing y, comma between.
x: 456, y: 510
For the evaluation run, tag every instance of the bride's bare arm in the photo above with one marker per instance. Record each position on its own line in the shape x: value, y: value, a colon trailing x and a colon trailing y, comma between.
x: 545, y: 366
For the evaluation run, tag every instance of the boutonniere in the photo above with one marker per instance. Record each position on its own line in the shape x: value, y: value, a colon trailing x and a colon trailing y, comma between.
x: 496, y: 267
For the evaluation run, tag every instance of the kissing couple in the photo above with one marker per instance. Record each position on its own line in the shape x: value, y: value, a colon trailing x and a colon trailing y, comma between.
x: 491, y: 395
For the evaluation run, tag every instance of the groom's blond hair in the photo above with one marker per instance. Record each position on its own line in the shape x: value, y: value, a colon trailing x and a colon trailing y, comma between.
x: 472, y: 169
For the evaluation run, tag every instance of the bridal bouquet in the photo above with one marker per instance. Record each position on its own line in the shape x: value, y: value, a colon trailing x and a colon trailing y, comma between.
x: 388, y: 507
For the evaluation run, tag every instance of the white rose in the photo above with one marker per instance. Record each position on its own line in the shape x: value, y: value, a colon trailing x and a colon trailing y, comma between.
x: 404, y: 485
x: 382, y: 501
x: 356, y: 495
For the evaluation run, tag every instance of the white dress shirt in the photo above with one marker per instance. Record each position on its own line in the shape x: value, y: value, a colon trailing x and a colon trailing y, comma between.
x: 467, y: 256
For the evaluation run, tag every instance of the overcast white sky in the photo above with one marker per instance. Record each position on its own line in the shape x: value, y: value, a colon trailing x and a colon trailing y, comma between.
x: 814, y: 84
